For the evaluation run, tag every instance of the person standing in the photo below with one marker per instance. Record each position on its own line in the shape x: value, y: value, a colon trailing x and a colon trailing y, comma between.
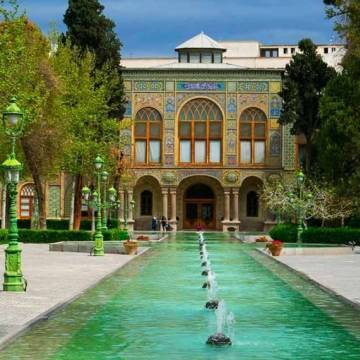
x: 163, y: 223
x: 153, y: 223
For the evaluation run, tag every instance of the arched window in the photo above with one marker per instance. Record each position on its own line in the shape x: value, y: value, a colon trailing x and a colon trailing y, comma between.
x: 252, y: 136
x: 148, y: 132
x: 27, y: 195
x: 252, y: 204
x: 146, y: 203
x: 200, y: 133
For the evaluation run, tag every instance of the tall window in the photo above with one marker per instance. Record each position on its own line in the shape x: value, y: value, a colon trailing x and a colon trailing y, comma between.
x: 200, y: 133
x: 27, y: 195
x: 252, y: 204
x: 146, y: 203
x: 148, y: 136
x: 252, y: 136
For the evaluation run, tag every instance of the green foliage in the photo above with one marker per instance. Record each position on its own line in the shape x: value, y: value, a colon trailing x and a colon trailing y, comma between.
x: 84, y: 105
x: 51, y: 236
x: 3, y: 236
x: 63, y: 224
x: 316, y: 235
x: 284, y: 232
x: 331, y: 236
x: 89, y: 29
x: 304, y: 80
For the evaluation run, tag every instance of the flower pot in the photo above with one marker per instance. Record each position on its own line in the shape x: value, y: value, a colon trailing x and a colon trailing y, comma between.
x: 130, y: 247
x: 275, y: 250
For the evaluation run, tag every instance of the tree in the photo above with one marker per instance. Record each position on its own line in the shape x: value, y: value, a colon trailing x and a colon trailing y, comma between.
x: 84, y: 102
x: 25, y: 71
x: 89, y: 29
x: 304, y: 80
x: 339, y: 158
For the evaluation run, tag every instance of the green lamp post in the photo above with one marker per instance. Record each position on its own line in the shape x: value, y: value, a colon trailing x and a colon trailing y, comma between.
x: 96, y: 200
x: 13, y: 122
x: 300, y: 213
x: 104, y: 178
x: 126, y: 215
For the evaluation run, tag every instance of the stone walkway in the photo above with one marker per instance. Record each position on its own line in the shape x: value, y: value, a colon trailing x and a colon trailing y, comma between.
x: 338, y: 274
x: 54, y: 279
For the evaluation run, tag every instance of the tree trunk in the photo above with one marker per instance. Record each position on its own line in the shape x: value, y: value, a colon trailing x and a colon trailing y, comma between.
x: 39, y: 188
x: 78, y: 201
x: 71, y: 220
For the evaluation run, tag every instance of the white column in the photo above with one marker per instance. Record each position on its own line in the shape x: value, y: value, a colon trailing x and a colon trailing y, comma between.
x: 173, y: 221
x: 235, y: 204
x: 227, y: 205
x: 164, y: 193
x: 130, y: 209
x: 122, y: 204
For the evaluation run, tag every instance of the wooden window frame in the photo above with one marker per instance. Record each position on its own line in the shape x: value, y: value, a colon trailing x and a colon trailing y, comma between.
x: 207, y: 138
x: 147, y: 138
x: 253, y: 122
x: 31, y: 201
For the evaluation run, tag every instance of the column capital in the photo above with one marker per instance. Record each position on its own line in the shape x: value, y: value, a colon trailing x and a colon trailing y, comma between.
x: 235, y: 191
x: 164, y: 191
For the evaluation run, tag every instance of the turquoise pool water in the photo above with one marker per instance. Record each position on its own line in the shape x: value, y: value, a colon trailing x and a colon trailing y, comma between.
x: 154, y: 309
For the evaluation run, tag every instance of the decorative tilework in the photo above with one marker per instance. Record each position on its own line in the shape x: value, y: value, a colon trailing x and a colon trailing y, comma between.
x: 288, y: 148
x: 170, y: 86
x: 169, y: 160
x: 149, y: 99
x: 275, y: 144
x: 127, y: 85
x: 169, y: 142
x: 231, y: 106
x: 275, y: 87
x: 169, y: 124
x: 231, y: 86
x: 200, y: 86
x: 170, y: 104
x: 275, y: 106
x: 274, y: 124
x: 231, y: 160
x: 183, y: 97
x: 54, y: 201
x: 231, y: 142
x: 149, y: 85
x: 125, y: 140
x: 209, y: 172
x: 231, y: 177
x: 253, y: 86
x: 128, y: 108
x: 253, y: 100
x: 231, y: 124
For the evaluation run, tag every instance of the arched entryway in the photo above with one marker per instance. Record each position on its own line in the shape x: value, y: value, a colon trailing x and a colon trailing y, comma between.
x: 200, y: 207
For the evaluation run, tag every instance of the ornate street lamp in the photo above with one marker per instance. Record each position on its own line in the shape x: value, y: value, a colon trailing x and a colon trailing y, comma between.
x: 12, y: 122
x: 95, y: 198
x: 104, y: 178
x: 300, y: 213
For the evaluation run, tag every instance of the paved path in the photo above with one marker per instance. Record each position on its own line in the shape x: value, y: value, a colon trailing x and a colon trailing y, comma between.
x: 338, y: 273
x: 54, y: 278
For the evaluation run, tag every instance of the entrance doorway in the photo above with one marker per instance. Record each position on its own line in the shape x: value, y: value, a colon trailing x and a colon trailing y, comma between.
x: 199, y: 206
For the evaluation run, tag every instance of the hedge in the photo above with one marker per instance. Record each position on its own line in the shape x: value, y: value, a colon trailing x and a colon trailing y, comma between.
x: 63, y: 224
x: 316, y: 235
x: 284, y: 232
x: 51, y: 236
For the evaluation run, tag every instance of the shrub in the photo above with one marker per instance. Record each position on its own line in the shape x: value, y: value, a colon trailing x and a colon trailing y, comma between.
x: 3, y: 236
x: 51, y: 236
x: 24, y: 223
x: 331, y: 235
x: 284, y: 232
x: 57, y: 224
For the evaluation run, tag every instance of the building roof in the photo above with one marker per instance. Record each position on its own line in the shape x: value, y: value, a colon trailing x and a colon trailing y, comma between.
x: 177, y: 65
x: 200, y: 41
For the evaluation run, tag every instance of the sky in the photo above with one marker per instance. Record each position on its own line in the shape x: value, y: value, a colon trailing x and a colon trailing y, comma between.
x: 156, y: 27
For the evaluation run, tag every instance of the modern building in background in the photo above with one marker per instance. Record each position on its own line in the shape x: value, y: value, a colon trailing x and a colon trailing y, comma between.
x: 205, y: 135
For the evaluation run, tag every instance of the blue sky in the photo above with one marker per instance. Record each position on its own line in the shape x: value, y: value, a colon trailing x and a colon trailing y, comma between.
x: 156, y: 27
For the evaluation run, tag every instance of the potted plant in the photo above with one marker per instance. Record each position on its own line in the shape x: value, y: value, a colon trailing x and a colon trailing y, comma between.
x: 131, y: 247
x: 275, y: 247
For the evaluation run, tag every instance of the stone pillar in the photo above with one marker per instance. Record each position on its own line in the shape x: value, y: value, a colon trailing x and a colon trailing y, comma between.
x: 122, y: 204
x: 235, y: 204
x: 173, y: 221
x: 130, y: 210
x: 227, y: 205
x: 226, y: 222
x: 165, y: 202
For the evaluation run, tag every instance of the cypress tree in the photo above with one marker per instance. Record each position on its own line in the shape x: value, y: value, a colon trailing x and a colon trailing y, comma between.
x: 90, y: 29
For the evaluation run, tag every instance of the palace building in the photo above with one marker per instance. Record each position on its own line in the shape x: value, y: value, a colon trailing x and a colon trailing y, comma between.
x: 204, y: 135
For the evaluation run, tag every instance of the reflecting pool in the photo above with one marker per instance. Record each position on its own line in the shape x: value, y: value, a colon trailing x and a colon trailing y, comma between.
x: 154, y: 308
